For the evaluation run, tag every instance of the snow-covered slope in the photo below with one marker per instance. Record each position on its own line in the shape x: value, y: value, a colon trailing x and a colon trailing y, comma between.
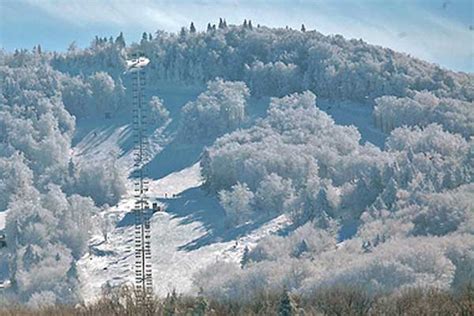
x: 187, y: 237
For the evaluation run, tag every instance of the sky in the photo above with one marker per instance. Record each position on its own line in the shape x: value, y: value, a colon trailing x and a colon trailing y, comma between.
x: 439, y: 31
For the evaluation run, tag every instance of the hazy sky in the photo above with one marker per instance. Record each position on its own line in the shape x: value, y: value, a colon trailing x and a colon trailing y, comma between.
x: 439, y: 31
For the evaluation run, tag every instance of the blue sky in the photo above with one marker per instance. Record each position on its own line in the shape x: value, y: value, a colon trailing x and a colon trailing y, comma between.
x: 434, y: 30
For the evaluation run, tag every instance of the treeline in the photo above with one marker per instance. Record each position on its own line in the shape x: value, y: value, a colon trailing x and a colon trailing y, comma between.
x: 275, y: 62
x: 334, y: 300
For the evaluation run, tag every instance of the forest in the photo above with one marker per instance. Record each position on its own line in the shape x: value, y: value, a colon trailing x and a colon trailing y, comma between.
x: 411, y: 201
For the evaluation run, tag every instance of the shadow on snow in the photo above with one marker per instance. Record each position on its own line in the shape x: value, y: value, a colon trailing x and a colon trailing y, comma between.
x: 195, y: 205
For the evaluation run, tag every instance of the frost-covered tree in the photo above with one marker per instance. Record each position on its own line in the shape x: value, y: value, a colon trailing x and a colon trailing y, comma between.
x: 47, y: 230
x: 158, y: 112
x: 106, y: 56
x: 220, y: 109
x: 77, y: 96
x: 430, y: 159
x: 283, y: 158
x: 102, y: 86
x: 46, y: 233
x: 103, y: 182
x: 395, y: 265
x: 416, y: 192
x: 15, y: 177
x: 275, y: 194
x: 238, y: 202
x: 331, y: 66
x: 275, y: 79
x: 422, y: 109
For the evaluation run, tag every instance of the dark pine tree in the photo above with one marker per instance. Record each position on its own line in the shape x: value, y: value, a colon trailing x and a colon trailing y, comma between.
x: 192, y: 29
x: 245, y: 257
x: 120, y: 40
x: 200, y: 307
x: 303, y: 28
x: 286, y: 306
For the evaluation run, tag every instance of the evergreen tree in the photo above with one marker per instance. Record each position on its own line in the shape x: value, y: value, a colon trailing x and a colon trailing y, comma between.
x: 209, y: 27
x: 170, y: 305
x: 286, y: 306
x: 201, y: 307
x: 250, y: 25
x: 224, y: 24
x: 245, y: 257
x: 144, y: 37
x: 303, y: 28
x: 120, y: 41
x: 245, y: 24
x: 221, y: 23
x: 150, y: 37
x: 192, y: 29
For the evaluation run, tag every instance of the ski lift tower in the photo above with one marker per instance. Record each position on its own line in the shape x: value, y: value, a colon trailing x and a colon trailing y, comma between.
x: 143, y: 270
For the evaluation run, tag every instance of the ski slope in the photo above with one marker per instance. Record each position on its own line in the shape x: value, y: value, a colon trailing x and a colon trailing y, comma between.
x: 180, y: 241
